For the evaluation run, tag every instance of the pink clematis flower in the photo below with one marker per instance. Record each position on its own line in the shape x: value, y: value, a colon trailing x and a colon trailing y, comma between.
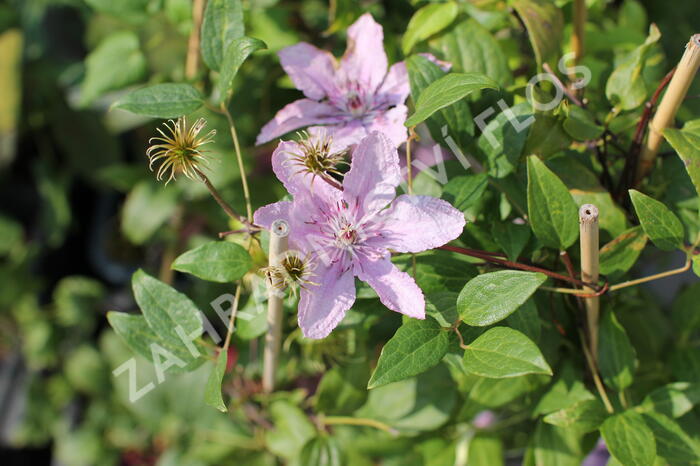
x: 353, y: 97
x: 350, y: 232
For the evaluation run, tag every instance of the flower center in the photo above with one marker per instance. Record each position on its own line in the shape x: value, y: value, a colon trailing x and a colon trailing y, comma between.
x: 355, y: 104
x: 347, y: 235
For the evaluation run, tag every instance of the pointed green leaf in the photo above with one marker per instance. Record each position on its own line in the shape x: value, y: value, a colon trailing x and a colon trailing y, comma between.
x: 321, y: 451
x: 427, y: 21
x: 626, y: 87
x: 148, y: 206
x: 218, y: 261
x: 503, y: 352
x: 511, y: 237
x: 417, y: 346
x: 458, y: 118
x: 659, y: 223
x: 552, y: 212
x: 629, y: 440
x: 673, y: 444
x: 687, y: 144
x: 116, y: 62
x: 212, y: 392
x: 237, y: 52
x: 616, y: 355
x: 165, y: 309
x: 545, y: 25
x: 442, y: 306
x: 584, y: 416
x: 620, y: 254
x: 526, y: 320
x: 491, y: 297
x: 222, y: 23
x: 464, y: 191
x: 446, y: 91
x: 673, y: 400
x: 162, y: 100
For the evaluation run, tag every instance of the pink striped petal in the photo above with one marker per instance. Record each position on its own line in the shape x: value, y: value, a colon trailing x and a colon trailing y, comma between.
x: 298, y: 114
x: 312, y: 70
x: 371, y: 183
x: 365, y: 61
x: 323, y: 306
x: 419, y: 223
x: 396, y: 289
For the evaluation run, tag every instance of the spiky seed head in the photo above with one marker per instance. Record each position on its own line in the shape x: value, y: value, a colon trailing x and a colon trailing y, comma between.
x: 315, y: 155
x: 179, y: 149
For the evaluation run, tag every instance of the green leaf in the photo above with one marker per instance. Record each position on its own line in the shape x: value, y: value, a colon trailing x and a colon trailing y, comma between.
x: 133, y: 11
x: 566, y: 391
x: 427, y: 21
x: 687, y: 144
x: 620, y: 254
x: 165, y: 309
x: 442, y: 306
x: 629, y: 440
x: 491, y: 297
x: 218, y: 261
x: 446, y: 91
x: 421, y: 403
x: 140, y: 337
x: 494, y: 393
x: 580, y: 124
x: 673, y: 400
x: 486, y: 450
x: 503, y: 352
x: 616, y: 355
x: 464, y: 191
x: 292, y: 430
x: 10, y: 235
x: 511, y: 237
x: 162, y: 100
x: 526, y: 320
x: 147, y: 207
x: 584, y: 416
x: 115, y: 63
x: 685, y: 315
x: 673, y: 444
x: 626, y: 87
x: 321, y: 451
x: 545, y: 25
x: 659, y: 223
x: 504, y: 138
x: 457, y: 117
x: 417, y: 346
x: 222, y: 23
x: 552, y: 212
x: 212, y: 392
x: 343, y: 389
x: 552, y: 445
x: 470, y: 47
x: 696, y: 264
x: 237, y: 52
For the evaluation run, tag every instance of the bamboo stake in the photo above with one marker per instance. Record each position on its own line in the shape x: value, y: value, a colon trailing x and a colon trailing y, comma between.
x: 193, y: 57
x: 278, y: 246
x: 676, y: 92
x: 577, y: 38
x: 588, y: 230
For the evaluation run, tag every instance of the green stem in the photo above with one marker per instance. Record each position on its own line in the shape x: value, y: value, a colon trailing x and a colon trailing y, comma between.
x: 239, y: 158
x: 357, y: 421
x: 234, y: 311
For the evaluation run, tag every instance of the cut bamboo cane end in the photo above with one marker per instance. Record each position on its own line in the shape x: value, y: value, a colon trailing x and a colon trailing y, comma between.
x: 588, y: 215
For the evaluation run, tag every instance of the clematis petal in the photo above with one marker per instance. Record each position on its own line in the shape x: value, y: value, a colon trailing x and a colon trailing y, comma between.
x: 300, y: 113
x: 266, y: 215
x: 323, y: 306
x: 391, y: 124
x: 344, y: 135
x: 419, y: 223
x: 312, y: 70
x: 396, y: 289
x: 395, y: 88
x: 365, y: 61
x: 374, y: 174
x: 291, y: 172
